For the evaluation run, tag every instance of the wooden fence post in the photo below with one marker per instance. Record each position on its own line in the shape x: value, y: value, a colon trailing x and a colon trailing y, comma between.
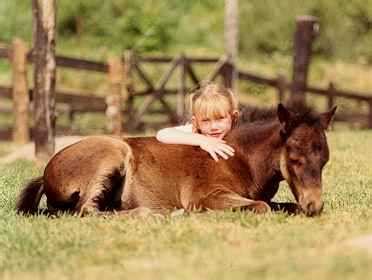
x: 114, y: 100
x: 370, y: 114
x: 44, y: 23
x: 306, y: 30
x: 281, y: 86
x: 330, y: 101
x: 182, y: 88
x: 227, y: 72
x: 21, y: 134
x: 128, y: 97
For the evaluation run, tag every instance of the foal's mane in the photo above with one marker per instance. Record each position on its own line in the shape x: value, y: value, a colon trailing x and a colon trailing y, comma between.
x: 251, y: 114
x: 254, y: 124
x: 258, y: 123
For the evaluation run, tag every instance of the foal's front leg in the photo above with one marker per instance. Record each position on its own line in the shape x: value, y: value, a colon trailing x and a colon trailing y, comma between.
x: 220, y: 198
x: 286, y: 207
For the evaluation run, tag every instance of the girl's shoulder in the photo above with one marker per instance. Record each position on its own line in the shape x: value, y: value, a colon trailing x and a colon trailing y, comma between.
x: 186, y: 127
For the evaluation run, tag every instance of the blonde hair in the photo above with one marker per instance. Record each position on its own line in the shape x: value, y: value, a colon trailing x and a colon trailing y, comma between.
x: 213, y: 101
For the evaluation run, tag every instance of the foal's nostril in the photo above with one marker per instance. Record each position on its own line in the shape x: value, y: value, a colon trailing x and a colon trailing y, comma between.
x: 311, y: 208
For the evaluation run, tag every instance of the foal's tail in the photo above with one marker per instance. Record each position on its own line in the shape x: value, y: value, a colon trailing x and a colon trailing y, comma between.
x: 29, y: 198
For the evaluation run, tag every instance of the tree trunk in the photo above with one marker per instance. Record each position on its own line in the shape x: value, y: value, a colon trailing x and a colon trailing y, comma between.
x: 232, y: 36
x: 44, y: 23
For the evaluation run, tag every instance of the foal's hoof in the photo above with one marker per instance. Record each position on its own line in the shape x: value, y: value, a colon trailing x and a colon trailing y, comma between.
x: 178, y: 213
x: 260, y: 207
x: 87, y: 211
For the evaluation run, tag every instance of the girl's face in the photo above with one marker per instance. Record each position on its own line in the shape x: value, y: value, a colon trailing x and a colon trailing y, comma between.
x: 214, y: 127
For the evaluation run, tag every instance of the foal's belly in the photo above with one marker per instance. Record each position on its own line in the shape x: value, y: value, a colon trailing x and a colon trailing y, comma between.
x: 155, y: 188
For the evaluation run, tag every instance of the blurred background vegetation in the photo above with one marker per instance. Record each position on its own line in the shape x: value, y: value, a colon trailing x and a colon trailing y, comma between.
x: 95, y: 28
x: 266, y: 26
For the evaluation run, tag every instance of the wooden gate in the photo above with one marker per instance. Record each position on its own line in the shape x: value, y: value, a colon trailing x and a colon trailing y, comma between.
x: 158, y: 89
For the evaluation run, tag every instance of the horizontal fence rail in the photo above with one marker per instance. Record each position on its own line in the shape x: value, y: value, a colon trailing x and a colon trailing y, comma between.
x: 180, y: 67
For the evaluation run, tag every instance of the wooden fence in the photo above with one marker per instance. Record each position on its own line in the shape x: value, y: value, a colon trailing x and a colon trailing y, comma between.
x: 331, y: 93
x: 121, y: 73
x: 124, y: 90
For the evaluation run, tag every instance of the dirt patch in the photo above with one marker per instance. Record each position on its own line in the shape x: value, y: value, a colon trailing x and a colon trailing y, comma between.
x: 27, y: 151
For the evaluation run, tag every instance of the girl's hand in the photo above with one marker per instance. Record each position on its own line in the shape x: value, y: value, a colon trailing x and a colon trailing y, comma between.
x: 216, y: 147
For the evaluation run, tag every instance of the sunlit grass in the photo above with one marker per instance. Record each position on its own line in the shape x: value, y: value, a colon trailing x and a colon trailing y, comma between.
x: 215, y: 245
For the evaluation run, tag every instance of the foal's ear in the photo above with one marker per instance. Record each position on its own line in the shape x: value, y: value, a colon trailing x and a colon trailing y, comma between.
x: 326, y: 118
x: 284, y: 115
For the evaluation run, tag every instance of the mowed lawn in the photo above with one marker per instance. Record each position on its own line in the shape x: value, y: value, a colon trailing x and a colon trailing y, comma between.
x: 214, y: 245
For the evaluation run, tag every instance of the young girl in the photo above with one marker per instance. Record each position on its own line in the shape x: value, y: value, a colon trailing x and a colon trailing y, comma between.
x: 214, y: 112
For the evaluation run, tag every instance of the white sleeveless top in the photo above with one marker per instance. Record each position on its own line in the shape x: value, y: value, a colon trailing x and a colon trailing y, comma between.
x: 185, y: 128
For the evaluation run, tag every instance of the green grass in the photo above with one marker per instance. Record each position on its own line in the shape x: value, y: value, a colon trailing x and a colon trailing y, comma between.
x: 215, y: 245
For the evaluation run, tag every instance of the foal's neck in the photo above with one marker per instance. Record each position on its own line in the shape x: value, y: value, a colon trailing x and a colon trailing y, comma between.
x: 259, y: 141
x: 258, y: 147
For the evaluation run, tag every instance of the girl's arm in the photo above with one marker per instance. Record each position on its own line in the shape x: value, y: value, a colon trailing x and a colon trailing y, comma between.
x: 184, y: 135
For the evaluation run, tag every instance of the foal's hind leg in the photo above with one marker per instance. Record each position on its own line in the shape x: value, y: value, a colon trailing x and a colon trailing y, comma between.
x: 96, y: 198
x: 220, y: 199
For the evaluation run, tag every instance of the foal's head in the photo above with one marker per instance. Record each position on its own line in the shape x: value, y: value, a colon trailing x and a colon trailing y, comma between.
x: 304, y: 154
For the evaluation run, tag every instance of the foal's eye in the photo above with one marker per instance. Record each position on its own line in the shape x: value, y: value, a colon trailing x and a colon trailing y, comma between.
x: 295, y: 162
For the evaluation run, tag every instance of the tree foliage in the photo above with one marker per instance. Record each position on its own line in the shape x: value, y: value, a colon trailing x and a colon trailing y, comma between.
x: 266, y: 26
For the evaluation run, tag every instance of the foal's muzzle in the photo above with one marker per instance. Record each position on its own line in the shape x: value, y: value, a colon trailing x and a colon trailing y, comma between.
x: 312, y: 208
x: 311, y: 203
